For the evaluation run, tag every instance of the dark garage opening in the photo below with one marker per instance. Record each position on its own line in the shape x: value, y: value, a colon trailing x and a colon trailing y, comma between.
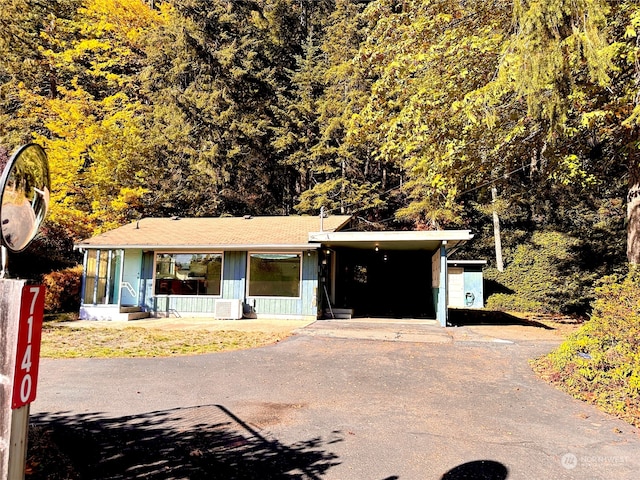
x: 384, y: 283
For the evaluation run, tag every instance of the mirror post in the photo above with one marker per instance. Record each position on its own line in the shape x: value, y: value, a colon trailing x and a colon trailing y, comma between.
x: 24, y: 200
x: 19, y: 364
x: 3, y: 263
x: 10, y: 296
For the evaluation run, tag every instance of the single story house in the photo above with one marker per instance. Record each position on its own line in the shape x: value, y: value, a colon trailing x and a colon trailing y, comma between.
x: 300, y: 267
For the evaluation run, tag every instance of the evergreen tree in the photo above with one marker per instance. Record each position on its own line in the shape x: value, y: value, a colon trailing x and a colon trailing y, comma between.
x: 574, y: 65
x: 433, y: 53
x: 298, y: 29
x: 344, y: 175
x: 296, y: 133
x: 211, y: 84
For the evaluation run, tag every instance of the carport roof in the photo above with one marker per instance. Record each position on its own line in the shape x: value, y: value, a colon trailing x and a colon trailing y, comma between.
x: 395, y: 240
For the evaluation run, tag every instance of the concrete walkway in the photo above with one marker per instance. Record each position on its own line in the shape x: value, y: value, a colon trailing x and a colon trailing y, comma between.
x: 428, y: 331
x: 403, y: 330
x: 464, y: 405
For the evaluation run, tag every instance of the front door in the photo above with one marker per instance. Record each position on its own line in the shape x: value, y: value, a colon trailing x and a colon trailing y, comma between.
x: 130, y: 286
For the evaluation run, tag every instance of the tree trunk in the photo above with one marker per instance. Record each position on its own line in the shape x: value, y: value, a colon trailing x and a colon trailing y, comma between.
x: 633, y: 214
x: 496, y: 231
x: 342, y: 189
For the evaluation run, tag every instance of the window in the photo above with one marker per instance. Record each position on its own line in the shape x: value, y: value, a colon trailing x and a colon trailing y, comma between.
x: 188, y: 273
x: 91, y: 276
x: 274, y: 275
x: 102, y: 271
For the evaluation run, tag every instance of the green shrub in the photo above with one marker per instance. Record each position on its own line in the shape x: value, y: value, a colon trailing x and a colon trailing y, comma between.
x: 506, y: 302
x: 537, y: 276
x: 600, y: 362
x: 63, y: 290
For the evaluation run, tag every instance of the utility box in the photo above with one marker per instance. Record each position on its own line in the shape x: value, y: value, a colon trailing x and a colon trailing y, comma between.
x: 228, y: 309
x: 465, y: 283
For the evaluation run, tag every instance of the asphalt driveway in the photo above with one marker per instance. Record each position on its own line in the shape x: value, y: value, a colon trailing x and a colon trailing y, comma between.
x: 326, y: 406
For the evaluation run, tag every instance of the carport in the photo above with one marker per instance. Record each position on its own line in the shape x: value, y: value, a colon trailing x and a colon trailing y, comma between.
x: 397, y: 274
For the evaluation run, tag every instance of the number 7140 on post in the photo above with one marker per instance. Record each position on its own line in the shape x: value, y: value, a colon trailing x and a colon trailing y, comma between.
x: 25, y: 378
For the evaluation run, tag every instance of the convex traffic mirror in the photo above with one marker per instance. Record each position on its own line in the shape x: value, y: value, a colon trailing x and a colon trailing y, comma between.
x: 24, y: 196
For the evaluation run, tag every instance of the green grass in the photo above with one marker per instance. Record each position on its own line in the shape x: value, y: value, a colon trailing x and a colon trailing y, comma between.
x: 90, y: 342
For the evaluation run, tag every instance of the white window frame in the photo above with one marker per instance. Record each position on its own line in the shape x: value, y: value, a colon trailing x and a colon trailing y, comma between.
x: 297, y: 252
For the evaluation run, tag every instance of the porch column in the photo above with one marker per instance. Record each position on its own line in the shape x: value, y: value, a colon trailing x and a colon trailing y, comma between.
x: 107, y: 288
x: 441, y: 307
x: 83, y: 284
x: 94, y: 300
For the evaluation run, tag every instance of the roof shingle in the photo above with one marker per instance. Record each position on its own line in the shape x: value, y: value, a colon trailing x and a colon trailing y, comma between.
x: 215, y: 232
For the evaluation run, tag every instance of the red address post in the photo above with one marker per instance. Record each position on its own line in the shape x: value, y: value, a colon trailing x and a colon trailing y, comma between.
x: 25, y: 378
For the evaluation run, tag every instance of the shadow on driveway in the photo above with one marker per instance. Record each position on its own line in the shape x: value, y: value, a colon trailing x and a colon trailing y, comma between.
x: 206, y: 442
x: 459, y: 317
x: 478, y: 470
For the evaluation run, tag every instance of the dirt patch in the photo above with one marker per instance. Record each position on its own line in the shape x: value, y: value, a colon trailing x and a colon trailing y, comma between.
x: 513, y: 326
x: 267, y: 414
x: 517, y: 332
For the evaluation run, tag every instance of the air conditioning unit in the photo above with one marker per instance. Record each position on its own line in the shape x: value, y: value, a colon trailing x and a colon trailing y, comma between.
x: 228, y: 310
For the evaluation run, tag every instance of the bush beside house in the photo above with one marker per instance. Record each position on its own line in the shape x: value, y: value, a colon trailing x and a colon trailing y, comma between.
x: 63, y: 290
x: 539, y: 277
x: 600, y: 363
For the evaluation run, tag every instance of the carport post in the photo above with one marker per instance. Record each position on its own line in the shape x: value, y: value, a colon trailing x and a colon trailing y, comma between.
x: 442, y: 310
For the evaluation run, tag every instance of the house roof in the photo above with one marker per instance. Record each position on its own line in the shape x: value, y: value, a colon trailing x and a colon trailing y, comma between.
x: 239, y: 233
